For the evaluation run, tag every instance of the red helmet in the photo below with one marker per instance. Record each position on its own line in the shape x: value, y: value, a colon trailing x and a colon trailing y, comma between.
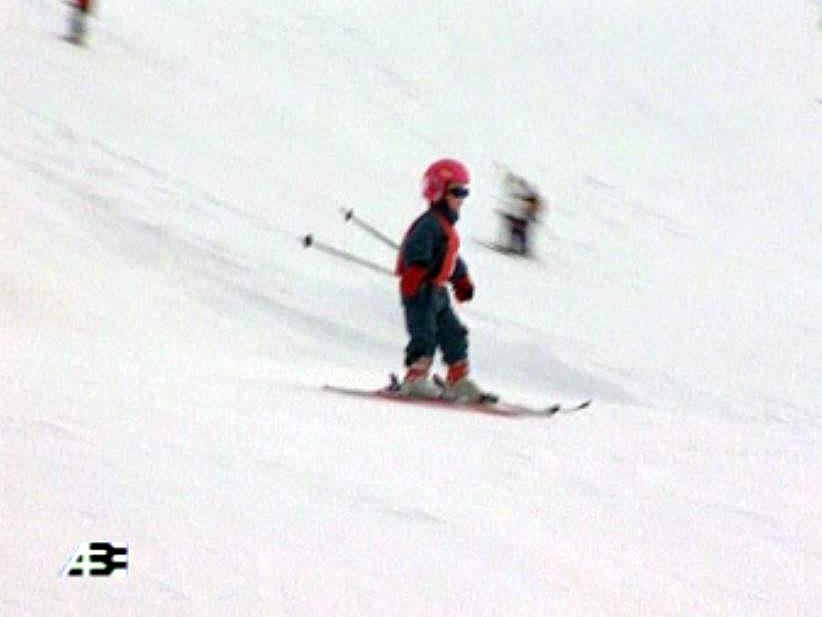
x: 439, y: 174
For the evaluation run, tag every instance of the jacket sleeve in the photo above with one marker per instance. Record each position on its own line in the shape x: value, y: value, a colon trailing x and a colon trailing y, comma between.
x: 460, y: 270
x: 419, y: 246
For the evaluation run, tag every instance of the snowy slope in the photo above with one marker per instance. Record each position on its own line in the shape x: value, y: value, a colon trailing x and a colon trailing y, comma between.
x: 164, y: 335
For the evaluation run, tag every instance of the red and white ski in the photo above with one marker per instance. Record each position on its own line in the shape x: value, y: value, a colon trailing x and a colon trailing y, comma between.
x: 491, y: 405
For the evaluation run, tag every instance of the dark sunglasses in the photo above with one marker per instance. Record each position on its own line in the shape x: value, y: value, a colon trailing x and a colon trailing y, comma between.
x: 459, y: 191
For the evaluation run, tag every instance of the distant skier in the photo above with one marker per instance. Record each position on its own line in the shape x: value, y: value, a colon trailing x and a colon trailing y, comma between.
x: 427, y: 261
x: 522, y: 206
x: 78, y: 21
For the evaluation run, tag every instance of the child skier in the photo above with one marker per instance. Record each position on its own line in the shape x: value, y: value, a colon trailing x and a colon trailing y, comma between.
x: 428, y: 259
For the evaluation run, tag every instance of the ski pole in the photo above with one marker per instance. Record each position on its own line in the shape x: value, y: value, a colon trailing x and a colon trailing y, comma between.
x: 349, y: 215
x: 309, y: 241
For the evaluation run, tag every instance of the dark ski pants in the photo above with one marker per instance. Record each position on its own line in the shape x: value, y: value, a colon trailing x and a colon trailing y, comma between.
x: 432, y: 324
x: 77, y: 24
x: 518, y: 229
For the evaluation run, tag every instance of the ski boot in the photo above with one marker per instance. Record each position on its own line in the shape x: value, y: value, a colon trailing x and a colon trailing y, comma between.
x: 416, y: 383
x: 458, y: 386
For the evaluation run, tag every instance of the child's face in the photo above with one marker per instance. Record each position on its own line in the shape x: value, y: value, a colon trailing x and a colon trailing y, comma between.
x: 455, y: 195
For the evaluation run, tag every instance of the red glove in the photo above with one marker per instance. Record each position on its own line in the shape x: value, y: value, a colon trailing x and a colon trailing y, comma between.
x: 411, y: 280
x: 463, y: 288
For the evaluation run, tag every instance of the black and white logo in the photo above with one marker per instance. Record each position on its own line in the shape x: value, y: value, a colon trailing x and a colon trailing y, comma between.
x: 98, y: 559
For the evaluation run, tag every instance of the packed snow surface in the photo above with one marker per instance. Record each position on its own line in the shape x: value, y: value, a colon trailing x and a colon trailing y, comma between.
x: 164, y: 337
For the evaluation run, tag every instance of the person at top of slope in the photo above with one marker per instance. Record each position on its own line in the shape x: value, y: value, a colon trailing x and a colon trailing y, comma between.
x: 428, y: 260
